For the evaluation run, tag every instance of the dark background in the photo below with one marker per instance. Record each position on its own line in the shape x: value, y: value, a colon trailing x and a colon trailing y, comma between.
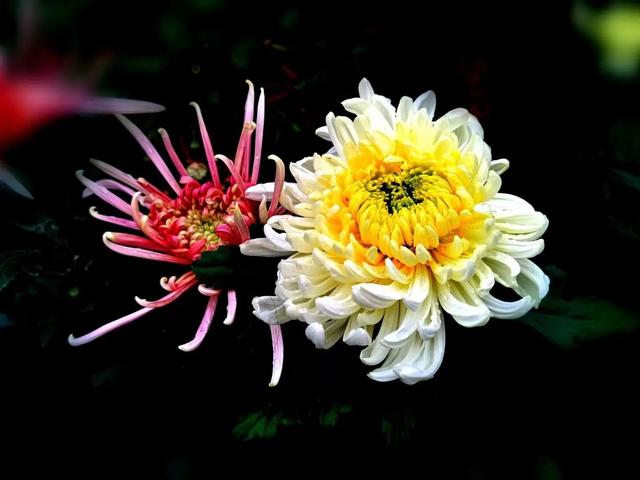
x: 557, y: 401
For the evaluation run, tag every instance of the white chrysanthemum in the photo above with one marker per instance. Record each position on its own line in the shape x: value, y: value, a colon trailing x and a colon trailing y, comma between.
x: 400, y: 221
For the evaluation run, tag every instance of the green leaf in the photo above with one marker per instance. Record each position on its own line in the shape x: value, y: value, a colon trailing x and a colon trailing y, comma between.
x: 331, y: 416
x: 548, y: 469
x: 11, y: 262
x: 583, y: 319
x: 227, y: 267
x: 624, y: 228
x: 6, y: 321
x: 398, y: 426
x: 626, y: 178
x: 215, y: 268
x: 258, y: 425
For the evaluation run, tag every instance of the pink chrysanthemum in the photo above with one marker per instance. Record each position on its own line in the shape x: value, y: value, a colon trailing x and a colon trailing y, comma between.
x: 193, y: 218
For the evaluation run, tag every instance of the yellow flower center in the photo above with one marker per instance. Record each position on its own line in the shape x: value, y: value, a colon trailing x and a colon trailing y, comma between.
x: 200, y: 225
x: 413, y: 208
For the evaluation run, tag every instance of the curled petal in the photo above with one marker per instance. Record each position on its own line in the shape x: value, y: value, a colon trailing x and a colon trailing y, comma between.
x: 109, y: 185
x: 279, y: 182
x: 241, y: 224
x: 116, y: 173
x: 123, y: 222
x: 233, y: 170
x: 232, y: 304
x: 207, y: 292
x: 104, y: 194
x: 167, y: 299
x: 107, y: 238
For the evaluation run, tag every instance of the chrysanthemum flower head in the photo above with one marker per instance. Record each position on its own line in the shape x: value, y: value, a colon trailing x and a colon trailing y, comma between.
x: 401, y: 220
x: 190, y: 220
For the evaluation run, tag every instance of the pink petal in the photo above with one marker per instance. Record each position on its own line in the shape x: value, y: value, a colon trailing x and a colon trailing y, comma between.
x: 234, y: 171
x: 122, y: 106
x: 172, y: 153
x: 207, y: 292
x: 141, y: 253
x: 278, y: 184
x: 232, y: 303
x: 151, y: 152
x: 167, y: 299
x: 208, y: 149
x: 109, y: 185
x: 258, y: 142
x: 204, y: 326
x: 278, y: 354
x: 104, y: 194
x: 123, y: 222
x: 116, y: 173
x: 130, y: 240
x: 241, y: 225
x: 89, y: 337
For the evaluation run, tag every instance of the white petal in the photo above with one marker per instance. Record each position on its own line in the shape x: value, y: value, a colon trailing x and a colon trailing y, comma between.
x: 520, y: 249
x: 355, y: 335
x: 365, y: 89
x: 454, y: 118
x: 327, y: 334
x: 427, y: 363
x: 508, y: 310
x: 419, y: 288
x: 518, y: 223
x: 508, y: 202
x: 433, y: 321
x: 467, y: 315
x: 370, y: 317
x: 315, y: 333
x: 500, y: 165
x: 260, y: 190
x: 323, y: 133
x: 504, y: 267
x: 409, y: 324
x: 483, y: 279
x: 261, y: 247
x: 532, y: 281
x: 357, y: 106
x: 375, y: 295
x: 377, y: 352
x: 405, y: 109
x: 279, y: 240
x: 330, y: 119
x: 270, y: 310
x: 428, y: 101
x: 407, y: 353
x: 339, y: 304
x: 394, y: 272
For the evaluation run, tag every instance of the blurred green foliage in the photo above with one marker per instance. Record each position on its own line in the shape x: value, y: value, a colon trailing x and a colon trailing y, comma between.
x: 615, y: 31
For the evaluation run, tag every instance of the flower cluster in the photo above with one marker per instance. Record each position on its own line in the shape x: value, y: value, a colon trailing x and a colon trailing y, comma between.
x: 400, y: 222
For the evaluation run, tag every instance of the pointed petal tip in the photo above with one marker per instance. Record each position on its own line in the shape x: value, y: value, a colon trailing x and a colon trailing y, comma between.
x: 186, y: 347
x: 8, y: 179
